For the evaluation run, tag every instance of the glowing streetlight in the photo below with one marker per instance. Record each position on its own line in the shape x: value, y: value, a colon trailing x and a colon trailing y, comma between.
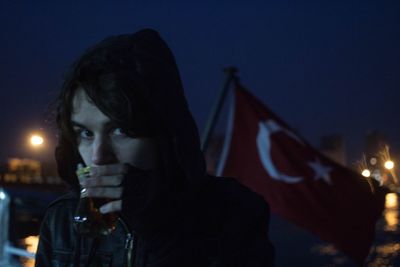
x: 366, y: 173
x: 389, y: 164
x: 36, y: 140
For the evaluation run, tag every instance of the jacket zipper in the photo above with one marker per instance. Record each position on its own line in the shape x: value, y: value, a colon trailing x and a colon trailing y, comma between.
x: 128, y: 243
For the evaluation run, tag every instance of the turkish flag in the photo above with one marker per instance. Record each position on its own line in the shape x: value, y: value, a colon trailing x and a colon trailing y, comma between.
x: 299, y: 183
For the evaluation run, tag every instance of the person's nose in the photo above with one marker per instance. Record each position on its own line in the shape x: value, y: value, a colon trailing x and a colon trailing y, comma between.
x: 103, y: 152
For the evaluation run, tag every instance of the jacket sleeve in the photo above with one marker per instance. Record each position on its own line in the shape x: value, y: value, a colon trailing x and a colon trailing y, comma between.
x: 254, y: 248
x: 44, y: 250
x: 54, y: 228
x: 245, y: 239
x: 259, y: 250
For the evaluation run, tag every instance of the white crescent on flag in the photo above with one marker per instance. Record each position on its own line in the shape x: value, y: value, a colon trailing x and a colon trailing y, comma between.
x: 266, y: 129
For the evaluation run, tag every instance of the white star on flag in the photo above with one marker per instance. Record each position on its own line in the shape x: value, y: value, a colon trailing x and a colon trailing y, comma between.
x: 321, y: 171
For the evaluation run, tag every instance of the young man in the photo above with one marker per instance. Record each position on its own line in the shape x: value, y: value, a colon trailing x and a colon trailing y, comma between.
x: 122, y: 111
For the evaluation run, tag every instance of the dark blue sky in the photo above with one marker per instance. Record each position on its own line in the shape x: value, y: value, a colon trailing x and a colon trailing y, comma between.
x: 323, y: 67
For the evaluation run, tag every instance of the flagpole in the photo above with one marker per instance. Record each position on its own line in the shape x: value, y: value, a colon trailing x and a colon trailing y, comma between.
x: 216, y: 109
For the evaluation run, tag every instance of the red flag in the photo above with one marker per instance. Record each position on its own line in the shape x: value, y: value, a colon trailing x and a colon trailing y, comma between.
x: 300, y: 184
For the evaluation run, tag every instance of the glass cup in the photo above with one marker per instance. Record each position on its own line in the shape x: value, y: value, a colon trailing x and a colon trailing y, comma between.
x: 88, y: 219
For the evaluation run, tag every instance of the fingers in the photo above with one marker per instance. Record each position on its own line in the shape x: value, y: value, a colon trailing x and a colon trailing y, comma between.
x: 105, y: 182
x: 113, y: 206
x: 104, y: 192
x: 112, y: 180
x: 108, y: 170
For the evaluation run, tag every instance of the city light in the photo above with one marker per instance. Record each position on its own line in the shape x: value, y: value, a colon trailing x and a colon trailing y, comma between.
x: 391, y: 213
x: 36, y: 140
x: 366, y: 173
x: 389, y: 164
x: 391, y: 200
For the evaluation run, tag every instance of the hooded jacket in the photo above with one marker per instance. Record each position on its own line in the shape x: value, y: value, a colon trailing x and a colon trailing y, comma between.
x: 175, y: 216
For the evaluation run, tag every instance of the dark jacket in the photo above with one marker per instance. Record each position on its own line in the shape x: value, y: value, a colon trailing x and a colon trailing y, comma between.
x: 175, y: 216
x: 228, y: 228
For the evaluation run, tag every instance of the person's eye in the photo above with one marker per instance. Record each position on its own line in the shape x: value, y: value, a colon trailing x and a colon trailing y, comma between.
x: 119, y: 132
x: 84, y: 134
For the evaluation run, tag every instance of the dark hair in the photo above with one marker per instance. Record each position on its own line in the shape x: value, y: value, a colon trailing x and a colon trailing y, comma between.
x: 110, y: 79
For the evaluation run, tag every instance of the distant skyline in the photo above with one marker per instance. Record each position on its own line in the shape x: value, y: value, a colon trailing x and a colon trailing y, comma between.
x: 325, y: 68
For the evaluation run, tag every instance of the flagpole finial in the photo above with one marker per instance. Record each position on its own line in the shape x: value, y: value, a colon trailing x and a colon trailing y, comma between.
x: 231, y: 70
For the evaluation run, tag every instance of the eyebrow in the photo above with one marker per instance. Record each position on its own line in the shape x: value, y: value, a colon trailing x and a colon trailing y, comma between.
x: 77, y: 124
x: 108, y: 124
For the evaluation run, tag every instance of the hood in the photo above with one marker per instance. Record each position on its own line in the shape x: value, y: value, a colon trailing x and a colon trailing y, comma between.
x: 154, y: 64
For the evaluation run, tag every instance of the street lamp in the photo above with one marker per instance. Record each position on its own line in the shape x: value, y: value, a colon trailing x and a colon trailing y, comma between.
x: 36, y: 140
x: 366, y: 173
x: 389, y: 164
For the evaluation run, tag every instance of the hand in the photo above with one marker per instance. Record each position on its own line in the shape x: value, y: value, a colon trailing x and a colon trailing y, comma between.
x: 106, y: 182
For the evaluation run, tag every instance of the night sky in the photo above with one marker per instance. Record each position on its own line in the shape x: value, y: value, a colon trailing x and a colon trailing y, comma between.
x: 325, y: 68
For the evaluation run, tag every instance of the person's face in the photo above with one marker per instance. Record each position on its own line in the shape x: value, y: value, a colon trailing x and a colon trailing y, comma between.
x: 100, y: 141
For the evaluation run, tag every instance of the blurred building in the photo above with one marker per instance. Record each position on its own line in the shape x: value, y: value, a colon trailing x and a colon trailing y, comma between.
x: 28, y: 171
x: 376, y: 153
x: 375, y: 142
